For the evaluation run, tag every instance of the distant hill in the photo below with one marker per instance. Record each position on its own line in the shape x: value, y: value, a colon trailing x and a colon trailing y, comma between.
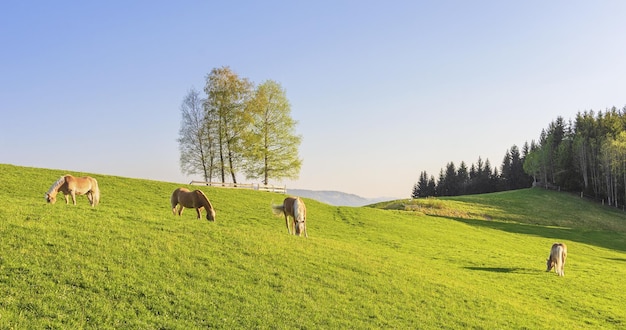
x: 337, y: 198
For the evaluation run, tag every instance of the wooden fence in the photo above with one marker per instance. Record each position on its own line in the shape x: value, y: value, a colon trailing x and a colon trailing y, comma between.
x: 252, y: 186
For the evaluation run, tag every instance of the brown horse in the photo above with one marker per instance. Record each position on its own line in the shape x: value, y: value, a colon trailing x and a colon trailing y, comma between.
x: 192, y: 199
x: 73, y: 186
x: 293, y: 207
x: 558, y: 254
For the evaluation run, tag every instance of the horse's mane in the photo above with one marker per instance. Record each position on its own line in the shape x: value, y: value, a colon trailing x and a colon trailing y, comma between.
x: 206, y: 199
x: 56, y: 185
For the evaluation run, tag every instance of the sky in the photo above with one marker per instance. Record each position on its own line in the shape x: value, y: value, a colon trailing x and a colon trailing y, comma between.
x: 381, y: 90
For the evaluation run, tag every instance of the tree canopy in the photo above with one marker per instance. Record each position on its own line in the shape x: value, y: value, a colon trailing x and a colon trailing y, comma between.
x: 273, y: 151
x: 238, y: 127
x: 586, y: 155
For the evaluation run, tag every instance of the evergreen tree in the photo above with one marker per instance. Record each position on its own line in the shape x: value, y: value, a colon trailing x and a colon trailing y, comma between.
x: 506, y: 176
x: 415, y: 193
x: 421, y: 188
x: 441, y: 190
x: 462, y: 178
x: 431, y: 189
x: 452, y: 184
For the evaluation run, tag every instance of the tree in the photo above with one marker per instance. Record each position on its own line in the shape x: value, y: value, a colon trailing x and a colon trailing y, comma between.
x: 425, y: 187
x: 415, y: 193
x: 431, y: 188
x: 272, y: 144
x: 227, y: 95
x: 513, y: 175
x: 532, y: 165
x: 462, y: 178
x: 448, y: 183
x: 506, y: 176
x: 197, y: 151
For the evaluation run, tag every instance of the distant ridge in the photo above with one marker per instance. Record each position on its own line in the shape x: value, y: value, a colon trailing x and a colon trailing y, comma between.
x: 336, y: 198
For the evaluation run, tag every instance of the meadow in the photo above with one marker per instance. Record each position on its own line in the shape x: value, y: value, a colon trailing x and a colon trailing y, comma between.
x: 449, y: 263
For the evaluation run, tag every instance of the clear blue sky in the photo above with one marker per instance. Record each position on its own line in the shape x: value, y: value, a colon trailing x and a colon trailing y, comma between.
x: 382, y: 90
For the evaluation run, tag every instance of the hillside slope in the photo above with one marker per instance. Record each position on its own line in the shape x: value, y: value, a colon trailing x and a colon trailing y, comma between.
x: 129, y: 263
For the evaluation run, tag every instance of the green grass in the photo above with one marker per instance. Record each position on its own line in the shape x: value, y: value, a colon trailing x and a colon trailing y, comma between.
x: 466, y: 262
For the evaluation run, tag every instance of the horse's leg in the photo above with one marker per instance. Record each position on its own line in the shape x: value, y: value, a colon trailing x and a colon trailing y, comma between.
x: 180, y: 209
x: 90, y: 198
x: 73, y: 193
x: 287, y: 223
x: 67, y: 201
x: 199, y: 213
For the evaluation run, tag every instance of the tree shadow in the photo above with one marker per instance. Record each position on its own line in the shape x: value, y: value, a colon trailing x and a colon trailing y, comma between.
x: 510, y: 270
x: 617, y: 259
x: 604, y: 239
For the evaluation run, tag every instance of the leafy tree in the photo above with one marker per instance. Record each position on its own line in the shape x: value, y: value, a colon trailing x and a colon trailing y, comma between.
x: 227, y: 96
x: 197, y: 148
x: 531, y: 162
x: 272, y: 144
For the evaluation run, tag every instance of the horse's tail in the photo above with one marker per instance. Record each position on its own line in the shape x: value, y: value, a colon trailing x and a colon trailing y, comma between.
x: 174, y: 200
x: 95, y: 192
x: 278, y: 209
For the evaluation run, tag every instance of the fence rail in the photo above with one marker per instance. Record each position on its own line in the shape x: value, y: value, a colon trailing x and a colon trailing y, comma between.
x: 251, y: 186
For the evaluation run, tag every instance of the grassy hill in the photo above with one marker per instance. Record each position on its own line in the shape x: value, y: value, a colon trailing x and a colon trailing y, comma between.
x: 466, y: 262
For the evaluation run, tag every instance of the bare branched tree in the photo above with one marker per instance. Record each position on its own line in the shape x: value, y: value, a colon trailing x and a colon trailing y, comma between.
x: 196, y: 143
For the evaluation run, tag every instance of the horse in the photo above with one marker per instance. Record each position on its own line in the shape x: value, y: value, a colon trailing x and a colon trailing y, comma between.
x: 293, y: 207
x: 70, y: 185
x: 558, y: 254
x: 192, y: 199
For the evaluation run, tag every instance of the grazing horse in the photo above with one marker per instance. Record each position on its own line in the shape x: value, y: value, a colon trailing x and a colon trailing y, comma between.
x: 70, y: 185
x: 192, y: 199
x: 293, y: 207
x: 558, y: 254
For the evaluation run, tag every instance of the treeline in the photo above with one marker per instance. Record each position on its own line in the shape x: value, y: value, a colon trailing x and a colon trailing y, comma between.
x: 238, y: 127
x: 479, y: 178
x: 586, y: 155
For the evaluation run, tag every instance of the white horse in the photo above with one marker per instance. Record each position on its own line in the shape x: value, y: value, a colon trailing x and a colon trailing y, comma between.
x: 558, y: 254
x: 294, y: 207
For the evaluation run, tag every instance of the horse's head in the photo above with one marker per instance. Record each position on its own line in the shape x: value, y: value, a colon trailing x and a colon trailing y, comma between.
x: 299, y: 228
x: 549, y: 264
x: 51, y: 199
x: 210, y: 214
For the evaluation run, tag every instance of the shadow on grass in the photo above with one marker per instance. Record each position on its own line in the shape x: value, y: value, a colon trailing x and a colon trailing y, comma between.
x: 617, y: 259
x: 515, y: 270
x: 604, y: 239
